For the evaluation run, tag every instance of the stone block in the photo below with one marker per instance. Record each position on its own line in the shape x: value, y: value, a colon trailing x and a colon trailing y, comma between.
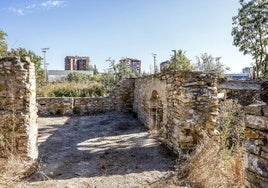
x: 256, y: 164
x: 256, y: 122
x: 252, y: 180
x: 253, y: 146
x: 254, y: 134
x: 265, y: 110
x: 254, y: 109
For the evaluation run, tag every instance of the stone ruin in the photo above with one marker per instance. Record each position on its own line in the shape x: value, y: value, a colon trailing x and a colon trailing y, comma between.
x: 18, y: 110
x: 179, y: 107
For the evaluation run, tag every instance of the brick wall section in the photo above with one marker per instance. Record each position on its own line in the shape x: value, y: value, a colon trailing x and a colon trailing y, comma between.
x: 18, y: 122
x: 120, y: 99
x: 256, y: 143
x: 185, y: 106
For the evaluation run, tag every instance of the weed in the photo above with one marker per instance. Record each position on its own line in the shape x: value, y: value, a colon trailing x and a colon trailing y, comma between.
x: 217, y: 160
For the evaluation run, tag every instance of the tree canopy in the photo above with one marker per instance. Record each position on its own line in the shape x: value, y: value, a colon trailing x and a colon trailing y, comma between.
x: 3, y: 44
x: 179, y: 61
x: 250, y: 32
x: 209, y: 64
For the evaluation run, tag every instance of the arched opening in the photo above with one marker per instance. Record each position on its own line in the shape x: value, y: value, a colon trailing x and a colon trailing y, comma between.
x: 156, y: 111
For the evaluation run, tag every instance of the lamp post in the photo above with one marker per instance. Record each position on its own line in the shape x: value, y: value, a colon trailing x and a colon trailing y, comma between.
x: 174, y: 59
x: 154, y: 55
x: 44, y: 50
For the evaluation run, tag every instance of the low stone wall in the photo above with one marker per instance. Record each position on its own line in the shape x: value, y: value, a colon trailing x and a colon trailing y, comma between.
x: 179, y: 106
x: 256, y: 143
x: 120, y: 99
x: 18, y: 122
x: 73, y: 106
x: 245, y: 92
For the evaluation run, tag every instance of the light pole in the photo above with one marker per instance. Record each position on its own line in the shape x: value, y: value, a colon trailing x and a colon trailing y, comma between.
x: 154, y: 55
x: 44, y: 50
x: 174, y: 58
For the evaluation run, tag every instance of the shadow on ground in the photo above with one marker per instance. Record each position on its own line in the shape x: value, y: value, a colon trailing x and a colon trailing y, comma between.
x: 102, y: 145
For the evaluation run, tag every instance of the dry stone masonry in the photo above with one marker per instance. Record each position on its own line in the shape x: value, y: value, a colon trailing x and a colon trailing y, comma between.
x: 120, y: 99
x: 180, y: 106
x: 18, y: 112
x: 256, y: 143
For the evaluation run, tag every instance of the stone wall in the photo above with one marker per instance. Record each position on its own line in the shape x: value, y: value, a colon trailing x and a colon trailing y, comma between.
x: 178, y: 106
x: 120, y: 99
x: 245, y: 92
x: 18, y: 123
x: 256, y: 143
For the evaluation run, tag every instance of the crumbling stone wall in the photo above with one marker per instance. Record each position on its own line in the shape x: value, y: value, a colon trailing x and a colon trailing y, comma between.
x: 256, y: 143
x: 18, y: 122
x: 120, y: 99
x: 178, y: 106
x: 245, y: 92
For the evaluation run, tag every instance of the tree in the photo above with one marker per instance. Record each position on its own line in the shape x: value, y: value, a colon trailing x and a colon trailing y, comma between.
x: 3, y: 44
x: 95, y: 70
x: 250, y: 32
x: 39, y: 72
x: 117, y: 72
x: 209, y: 64
x: 179, y: 61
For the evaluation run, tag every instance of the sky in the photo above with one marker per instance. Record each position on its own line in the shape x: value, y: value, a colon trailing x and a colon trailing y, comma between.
x: 137, y: 29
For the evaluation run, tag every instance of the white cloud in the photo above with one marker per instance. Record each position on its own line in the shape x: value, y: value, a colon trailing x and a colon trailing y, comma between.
x: 50, y: 4
x: 18, y: 11
x: 31, y: 7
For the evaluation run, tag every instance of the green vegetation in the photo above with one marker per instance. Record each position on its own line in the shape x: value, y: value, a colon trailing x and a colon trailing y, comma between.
x: 117, y: 72
x: 72, y: 89
x: 22, y: 52
x: 250, y: 33
x: 209, y: 64
x: 179, y: 61
x: 3, y: 44
x: 82, y: 77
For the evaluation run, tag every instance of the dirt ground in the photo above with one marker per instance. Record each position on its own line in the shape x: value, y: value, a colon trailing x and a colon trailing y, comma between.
x: 107, y: 150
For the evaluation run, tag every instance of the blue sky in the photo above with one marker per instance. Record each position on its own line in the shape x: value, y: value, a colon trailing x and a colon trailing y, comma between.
x: 122, y: 28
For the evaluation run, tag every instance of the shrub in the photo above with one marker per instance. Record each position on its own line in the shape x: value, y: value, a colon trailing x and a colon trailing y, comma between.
x: 217, y: 160
x: 231, y: 124
x: 72, y: 89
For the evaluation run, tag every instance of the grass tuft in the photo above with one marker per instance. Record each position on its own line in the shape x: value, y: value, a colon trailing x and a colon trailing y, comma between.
x: 14, y: 171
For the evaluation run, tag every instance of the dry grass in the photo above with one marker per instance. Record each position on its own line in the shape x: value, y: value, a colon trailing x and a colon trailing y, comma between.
x: 14, y: 171
x: 218, y: 161
x: 211, y: 165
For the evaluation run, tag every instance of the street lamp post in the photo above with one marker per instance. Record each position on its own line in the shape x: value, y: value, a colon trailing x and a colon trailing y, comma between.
x: 44, y: 50
x: 154, y: 55
x: 174, y: 58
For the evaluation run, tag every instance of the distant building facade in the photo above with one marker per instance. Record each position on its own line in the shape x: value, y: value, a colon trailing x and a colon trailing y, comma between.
x: 133, y: 64
x: 239, y: 76
x: 247, y: 74
x: 249, y: 71
x: 77, y: 63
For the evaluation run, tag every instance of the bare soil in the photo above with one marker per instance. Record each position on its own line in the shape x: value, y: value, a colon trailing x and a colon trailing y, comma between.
x: 107, y: 150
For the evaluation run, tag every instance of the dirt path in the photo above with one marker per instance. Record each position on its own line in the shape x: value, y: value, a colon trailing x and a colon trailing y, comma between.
x: 108, y: 150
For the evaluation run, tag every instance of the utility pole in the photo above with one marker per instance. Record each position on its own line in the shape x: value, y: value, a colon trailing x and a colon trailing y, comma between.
x: 174, y: 58
x: 44, y: 50
x: 154, y: 55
